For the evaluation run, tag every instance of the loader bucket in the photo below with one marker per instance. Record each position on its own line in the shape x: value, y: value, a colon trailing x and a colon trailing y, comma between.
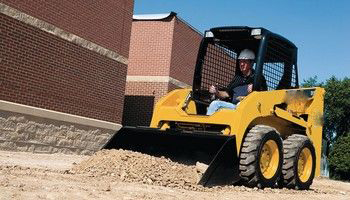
x: 217, y: 151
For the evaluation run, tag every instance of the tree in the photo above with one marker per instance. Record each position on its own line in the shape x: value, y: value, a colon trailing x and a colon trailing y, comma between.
x: 336, y: 123
x: 337, y: 106
x: 311, y: 82
x: 339, y: 159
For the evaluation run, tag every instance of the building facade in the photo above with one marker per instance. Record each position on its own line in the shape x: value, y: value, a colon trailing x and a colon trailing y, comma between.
x: 65, y: 62
x: 162, y: 57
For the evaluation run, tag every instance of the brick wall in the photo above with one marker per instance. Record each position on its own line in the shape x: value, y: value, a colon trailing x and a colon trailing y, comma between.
x: 21, y: 132
x: 107, y: 23
x: 158, y: 48
x: 150, y: 48
x: 172, y: 87
x: 185, y: 47
x: 155, y: 89
x: 43, y: 70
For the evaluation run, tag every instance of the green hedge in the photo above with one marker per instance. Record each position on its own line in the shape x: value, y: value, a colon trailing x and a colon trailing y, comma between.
x: 339, y: 159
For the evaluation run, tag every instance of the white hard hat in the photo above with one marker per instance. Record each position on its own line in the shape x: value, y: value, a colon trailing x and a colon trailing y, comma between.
x: 246, y: 54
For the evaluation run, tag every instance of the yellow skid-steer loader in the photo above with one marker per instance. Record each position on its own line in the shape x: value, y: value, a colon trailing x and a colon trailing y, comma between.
x: 272, y: 138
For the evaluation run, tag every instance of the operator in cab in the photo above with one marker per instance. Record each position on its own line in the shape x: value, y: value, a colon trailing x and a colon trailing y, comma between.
x: 239, y: 87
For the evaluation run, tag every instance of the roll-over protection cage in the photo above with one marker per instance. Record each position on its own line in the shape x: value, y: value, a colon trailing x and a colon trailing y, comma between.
x: 275, y: 62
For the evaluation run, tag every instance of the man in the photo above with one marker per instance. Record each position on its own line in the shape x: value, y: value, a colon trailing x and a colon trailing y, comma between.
x: 241, y: 85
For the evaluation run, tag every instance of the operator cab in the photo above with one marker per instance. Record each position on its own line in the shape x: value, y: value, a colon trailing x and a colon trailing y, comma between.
x: 276, y: 61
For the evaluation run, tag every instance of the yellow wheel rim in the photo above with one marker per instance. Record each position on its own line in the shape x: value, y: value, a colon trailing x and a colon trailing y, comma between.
x: 304, y: 165
x: 269, y: 159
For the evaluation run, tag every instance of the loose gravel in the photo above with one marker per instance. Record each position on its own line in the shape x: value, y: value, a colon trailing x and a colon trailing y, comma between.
x: 129, y: 166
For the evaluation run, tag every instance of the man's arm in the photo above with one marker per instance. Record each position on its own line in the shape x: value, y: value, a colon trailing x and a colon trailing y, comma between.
x: 218, y: 93
x: 222, y: 94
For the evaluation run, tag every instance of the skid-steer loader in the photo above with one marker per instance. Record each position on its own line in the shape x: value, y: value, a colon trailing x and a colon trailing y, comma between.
x: 272, y: 138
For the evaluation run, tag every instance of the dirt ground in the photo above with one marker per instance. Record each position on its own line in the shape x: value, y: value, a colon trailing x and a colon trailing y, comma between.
x: 128, y: 175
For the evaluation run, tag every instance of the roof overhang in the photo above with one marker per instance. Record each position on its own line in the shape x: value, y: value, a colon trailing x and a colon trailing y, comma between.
x: 154, y: 17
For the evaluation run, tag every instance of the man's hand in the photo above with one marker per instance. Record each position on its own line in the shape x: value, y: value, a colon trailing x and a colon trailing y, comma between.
x: 240, y: 98
x: 219, y: 94
x: 250, y: 88
x: 213, y: 89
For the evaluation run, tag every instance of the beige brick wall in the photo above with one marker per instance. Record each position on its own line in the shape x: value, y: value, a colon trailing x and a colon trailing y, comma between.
x: 22, y: 132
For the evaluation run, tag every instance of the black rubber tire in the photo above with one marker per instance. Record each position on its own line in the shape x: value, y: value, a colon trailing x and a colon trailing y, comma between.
x: 249, y: 166
x: 293, y: 146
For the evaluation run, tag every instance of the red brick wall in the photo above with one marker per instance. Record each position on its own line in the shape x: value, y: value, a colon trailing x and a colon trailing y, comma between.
x: 172, y: 87
x: 158, y: 48
x: 42, y: 70
x: 156, y: 89
x: 163, y: 48
x: 107, y: 22
x: 150, y: 48
x: 185, y: 47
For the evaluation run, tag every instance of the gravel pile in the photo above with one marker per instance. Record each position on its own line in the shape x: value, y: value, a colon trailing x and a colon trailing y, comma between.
x: 129, y: 166
x: 132, y: 166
